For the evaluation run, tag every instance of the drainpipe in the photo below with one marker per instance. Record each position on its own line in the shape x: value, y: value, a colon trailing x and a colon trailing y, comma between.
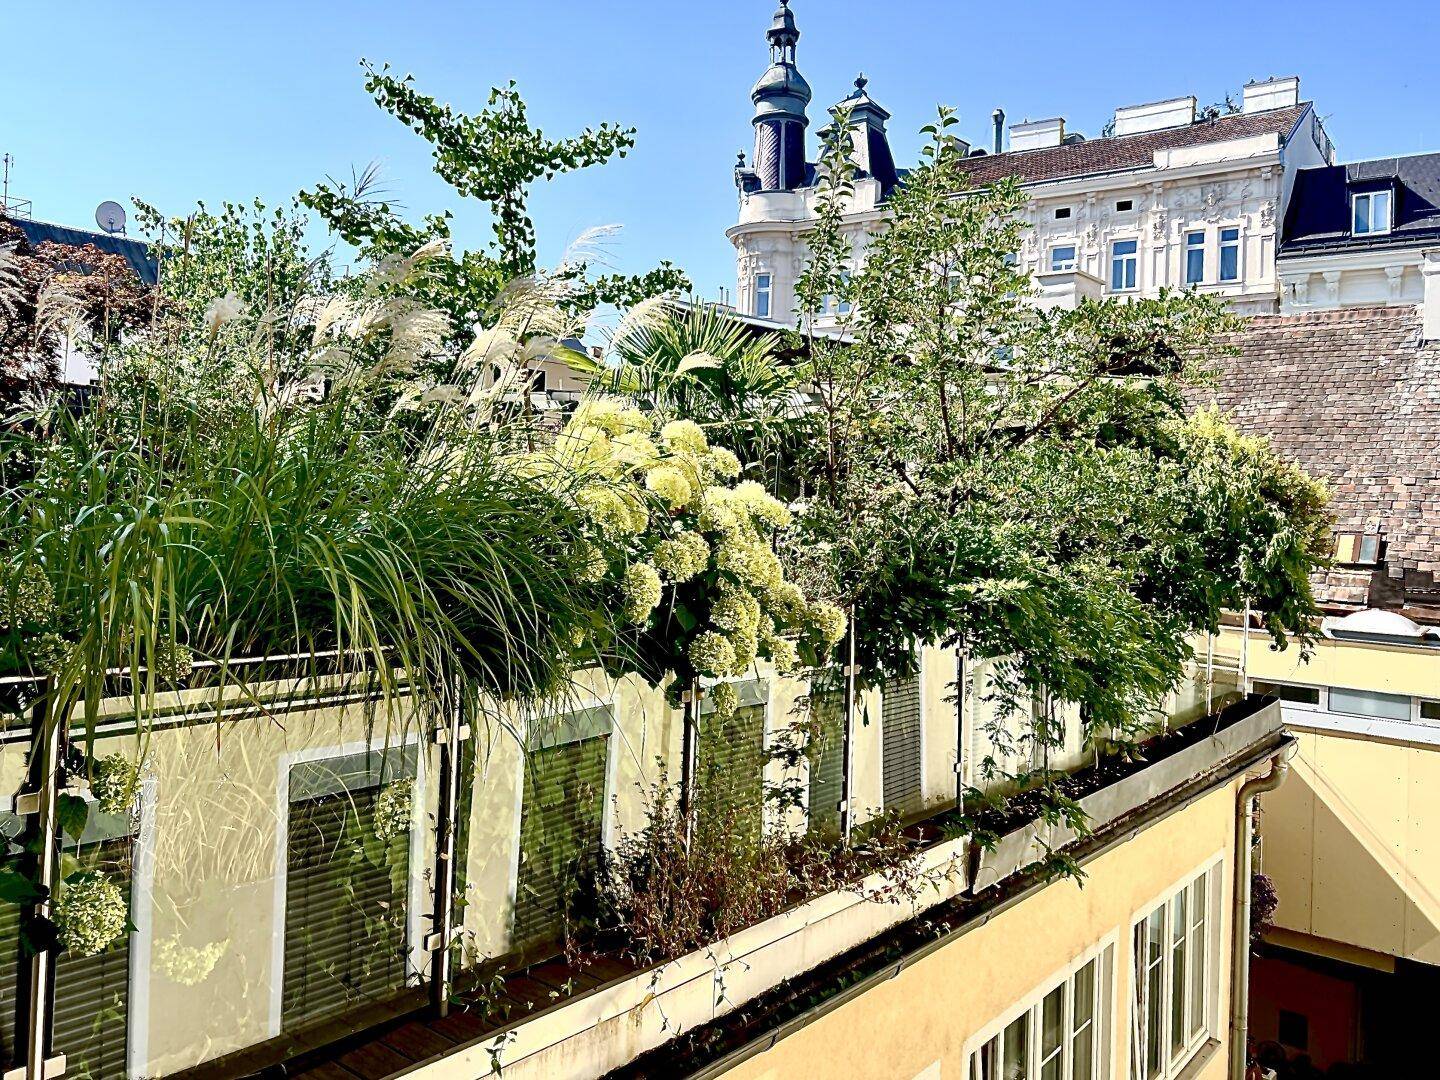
x: 998, y: 117
x: 1240, y: 913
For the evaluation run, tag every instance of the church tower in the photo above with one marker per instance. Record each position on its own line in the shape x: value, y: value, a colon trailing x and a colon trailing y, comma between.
x: 780, y: 98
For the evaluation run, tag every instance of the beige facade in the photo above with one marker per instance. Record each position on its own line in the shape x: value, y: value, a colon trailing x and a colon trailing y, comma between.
x: 931, y: 1017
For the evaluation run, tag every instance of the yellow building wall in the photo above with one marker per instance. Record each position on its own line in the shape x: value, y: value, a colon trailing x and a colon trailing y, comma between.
x: 920, y: 1023
x: 1352, y: 842
x: 1391, y: 669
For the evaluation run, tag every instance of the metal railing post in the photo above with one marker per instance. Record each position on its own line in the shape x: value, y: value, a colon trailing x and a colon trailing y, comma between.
x: 450, y: 738
x: 847, y: 743
x: 689, y: 754
x: 960, y: 659
x: 46, y: 780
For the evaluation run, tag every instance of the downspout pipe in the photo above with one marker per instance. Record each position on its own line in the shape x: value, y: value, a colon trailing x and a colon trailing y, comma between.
x: 1240, y: 913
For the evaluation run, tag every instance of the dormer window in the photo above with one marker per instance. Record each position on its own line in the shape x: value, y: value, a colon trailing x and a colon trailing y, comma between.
x: 1371, y: 213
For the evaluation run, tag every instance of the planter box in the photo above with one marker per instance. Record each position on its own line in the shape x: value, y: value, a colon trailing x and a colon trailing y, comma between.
x: 602, y: 1031
x: 1031, y: 842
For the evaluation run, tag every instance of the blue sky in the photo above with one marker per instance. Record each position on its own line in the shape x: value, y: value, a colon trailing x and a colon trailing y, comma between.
x: 177, y: 102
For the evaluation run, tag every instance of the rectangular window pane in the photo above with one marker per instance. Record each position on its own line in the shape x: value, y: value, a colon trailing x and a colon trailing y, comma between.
x: 1362, y: 214
x: 1300, y: 695
x: 1062, y: 258
x: 1179, y: 930
x: 1380, y: 211
x: 1015, y: 1064
x: 1430, y: 710
x: 1370, y: 703
x: 1194, y: 258
x: 1052, y: 1033
x: 1229, y: 254
x: 762, y: 296
x: 1082, y: 1024
x: 1199, y: 954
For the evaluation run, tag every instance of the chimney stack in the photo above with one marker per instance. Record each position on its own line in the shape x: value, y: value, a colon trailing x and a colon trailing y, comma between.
x: 999, y: 117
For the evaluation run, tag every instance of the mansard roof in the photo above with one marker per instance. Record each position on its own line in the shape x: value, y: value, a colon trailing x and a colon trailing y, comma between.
x: 1122, y: 153
x: 1353, y: 397
x: 1319, y: 214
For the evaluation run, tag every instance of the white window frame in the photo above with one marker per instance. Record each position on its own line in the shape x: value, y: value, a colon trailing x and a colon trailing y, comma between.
x: 1330, y: 692
x: 982, y: 1051
x: 1201, y: 938
x: 1420, y: 703
x: 764, y: 288
x: 1220, y: 246
x: 1373, y: 228
x: 1188, y: 248
x: 1069, y: 265
x: 1321, y: 692
x: 1132, y: 258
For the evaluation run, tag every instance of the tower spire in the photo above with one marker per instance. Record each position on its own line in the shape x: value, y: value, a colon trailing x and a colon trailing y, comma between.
x: 781, y: 98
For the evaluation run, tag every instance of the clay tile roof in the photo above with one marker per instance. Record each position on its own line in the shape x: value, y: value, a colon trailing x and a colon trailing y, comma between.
x: 1353, y: 397
x: 1128, y: 151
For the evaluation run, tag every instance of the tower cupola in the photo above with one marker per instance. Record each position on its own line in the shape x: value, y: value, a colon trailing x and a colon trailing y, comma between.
x: 781, y: 98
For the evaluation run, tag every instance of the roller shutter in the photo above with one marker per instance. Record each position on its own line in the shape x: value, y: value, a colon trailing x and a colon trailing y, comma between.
x: 730, y: 769
x: 561, y: 824
x: 92, y: 993
x: 345, y: 889
x: 900, y: 745
x: 826, y: 754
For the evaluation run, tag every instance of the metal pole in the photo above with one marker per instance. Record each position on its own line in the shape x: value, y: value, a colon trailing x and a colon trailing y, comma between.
x: 960, y: 728
x: 689, y: 753
x: 46, y: 774
x: 847, y: 742
x: 450, y: 737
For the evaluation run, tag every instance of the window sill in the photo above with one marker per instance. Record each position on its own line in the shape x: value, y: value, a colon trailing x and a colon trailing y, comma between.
x: 1199, y: 1060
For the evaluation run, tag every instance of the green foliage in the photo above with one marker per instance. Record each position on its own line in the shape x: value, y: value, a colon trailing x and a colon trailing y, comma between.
x: 1024, y: 482
x: 493, y: 156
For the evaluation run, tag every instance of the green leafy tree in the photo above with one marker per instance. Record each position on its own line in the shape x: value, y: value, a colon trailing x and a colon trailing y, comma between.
x: 1025, y: 482
x: 494, y: 156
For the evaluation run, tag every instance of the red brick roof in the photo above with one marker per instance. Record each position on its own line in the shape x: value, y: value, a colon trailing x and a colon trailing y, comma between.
x: 1352, y: 396
x: 1127, y: 151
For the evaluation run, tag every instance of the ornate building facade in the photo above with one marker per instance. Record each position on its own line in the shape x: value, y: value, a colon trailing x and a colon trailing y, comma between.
x: 1176, y: 197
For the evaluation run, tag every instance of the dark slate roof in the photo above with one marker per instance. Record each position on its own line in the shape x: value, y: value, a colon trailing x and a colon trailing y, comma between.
x: 1353, y: 397
x: 1318, y: 218
x: 1123, y: 152
x: 136, y: 252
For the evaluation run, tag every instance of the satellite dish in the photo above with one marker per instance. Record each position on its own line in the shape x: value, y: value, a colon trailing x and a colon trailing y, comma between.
x: 110, y: 216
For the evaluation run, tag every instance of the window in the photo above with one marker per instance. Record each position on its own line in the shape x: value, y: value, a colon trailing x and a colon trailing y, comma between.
x: 1061, y: 1036
x: 1062, y: 258
x: 1357, y: 549
x: 1370, y: 703
x: 1194, y: 258
x: 1229, y: 254
x: 1062, y: 213
x: 843, y: 305
x: 1124, y: 264
x: 1124, y: 206
x: 1170, y: 1020
x: 1372, y: 213
x: 1430, y: 712
x: 1291, y: 695
x: 762, y: 296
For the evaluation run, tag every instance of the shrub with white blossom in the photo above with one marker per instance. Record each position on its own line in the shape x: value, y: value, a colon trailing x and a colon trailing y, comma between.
x: 698, y: 586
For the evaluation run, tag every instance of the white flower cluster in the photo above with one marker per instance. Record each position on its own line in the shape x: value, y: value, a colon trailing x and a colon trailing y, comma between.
x: 115, y: 782
x: 392, y: 809
x: 90, y: 914
x: 27, y: 598
x: 669, y: 500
